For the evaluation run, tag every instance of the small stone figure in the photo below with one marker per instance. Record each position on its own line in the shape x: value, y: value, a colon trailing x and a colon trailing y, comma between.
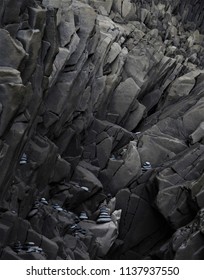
x: 24, y: 159
x: 113, y: 157
x: 28, y: 247
x: 83, y: 216
x: 146, y: 166
x: 75, y: 229
x: 57, y: 207
x: 34, y: 249
x: 104, y: 216
x: 43, y: 201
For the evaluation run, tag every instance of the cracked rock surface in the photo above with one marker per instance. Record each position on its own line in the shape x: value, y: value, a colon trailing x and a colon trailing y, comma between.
x: 101, y: 129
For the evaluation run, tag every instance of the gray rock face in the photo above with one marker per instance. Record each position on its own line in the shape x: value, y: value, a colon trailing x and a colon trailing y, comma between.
x: 12, y: 51
x: 102, y: 113
x: 128, y: 171
x: 123, y: 99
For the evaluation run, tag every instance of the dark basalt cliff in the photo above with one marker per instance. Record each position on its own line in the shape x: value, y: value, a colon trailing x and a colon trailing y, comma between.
x: 90, y: 92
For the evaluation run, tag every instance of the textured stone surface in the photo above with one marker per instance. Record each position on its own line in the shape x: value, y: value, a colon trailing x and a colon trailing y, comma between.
x: 12, y: 51
x: 90, y: 91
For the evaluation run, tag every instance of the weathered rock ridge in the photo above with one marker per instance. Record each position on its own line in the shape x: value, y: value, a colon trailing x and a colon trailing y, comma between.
x: 90, y: 91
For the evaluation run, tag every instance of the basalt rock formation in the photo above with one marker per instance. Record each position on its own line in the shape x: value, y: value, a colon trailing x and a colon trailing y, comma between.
x: 90, y: 92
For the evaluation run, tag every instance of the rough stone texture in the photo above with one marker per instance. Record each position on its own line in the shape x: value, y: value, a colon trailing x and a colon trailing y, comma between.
x: 89, y: 91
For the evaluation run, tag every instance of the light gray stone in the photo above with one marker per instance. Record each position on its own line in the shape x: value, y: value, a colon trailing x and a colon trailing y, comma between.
x: 124, y: 95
